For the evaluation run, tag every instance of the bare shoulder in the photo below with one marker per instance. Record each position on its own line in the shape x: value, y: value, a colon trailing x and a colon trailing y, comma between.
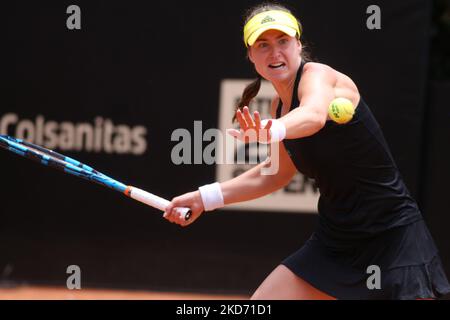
x: 319, y: 69
x: 318, y: 74
x: 342, y: 84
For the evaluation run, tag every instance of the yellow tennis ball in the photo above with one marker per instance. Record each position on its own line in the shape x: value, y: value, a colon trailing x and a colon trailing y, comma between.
x: 341, y: 110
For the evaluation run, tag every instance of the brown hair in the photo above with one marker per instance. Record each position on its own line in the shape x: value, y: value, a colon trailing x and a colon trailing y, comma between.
x: 253, y: 88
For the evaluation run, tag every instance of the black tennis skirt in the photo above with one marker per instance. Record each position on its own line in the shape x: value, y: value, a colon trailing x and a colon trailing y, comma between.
x: 400, y: 263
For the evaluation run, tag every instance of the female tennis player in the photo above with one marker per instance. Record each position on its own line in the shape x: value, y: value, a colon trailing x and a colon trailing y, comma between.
x: 367, y: 218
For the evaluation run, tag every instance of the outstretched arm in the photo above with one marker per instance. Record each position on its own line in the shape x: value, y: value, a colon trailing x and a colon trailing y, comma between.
x: 247, y: 186
x: 316, y: 91
x: 250, y: 185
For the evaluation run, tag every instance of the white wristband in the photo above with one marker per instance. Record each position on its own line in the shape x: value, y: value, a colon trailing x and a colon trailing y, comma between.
x: 211, y: 196
x: 277, y: 130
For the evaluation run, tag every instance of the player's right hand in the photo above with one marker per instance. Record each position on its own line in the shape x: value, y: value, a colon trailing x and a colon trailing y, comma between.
x: 190, y: 200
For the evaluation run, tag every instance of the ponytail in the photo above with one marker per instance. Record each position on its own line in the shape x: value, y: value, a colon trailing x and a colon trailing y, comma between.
x: 249, y: 93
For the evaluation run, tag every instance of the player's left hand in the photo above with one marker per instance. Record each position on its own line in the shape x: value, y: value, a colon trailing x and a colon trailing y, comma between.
x: 252, y: 129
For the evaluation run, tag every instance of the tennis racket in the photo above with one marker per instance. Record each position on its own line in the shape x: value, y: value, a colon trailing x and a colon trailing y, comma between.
x: 71, y: 166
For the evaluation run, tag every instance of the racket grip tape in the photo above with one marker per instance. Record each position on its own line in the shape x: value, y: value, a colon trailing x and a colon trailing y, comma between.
x: 154, y: 201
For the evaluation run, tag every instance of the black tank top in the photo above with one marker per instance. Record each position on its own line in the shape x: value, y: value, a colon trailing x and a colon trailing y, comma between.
x: 361, y: 190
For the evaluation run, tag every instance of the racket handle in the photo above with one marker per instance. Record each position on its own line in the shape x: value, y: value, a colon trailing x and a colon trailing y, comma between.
x: 155, y: 201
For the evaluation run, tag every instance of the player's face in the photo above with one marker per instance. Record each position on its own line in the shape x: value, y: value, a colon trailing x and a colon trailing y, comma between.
x: 276, y: 55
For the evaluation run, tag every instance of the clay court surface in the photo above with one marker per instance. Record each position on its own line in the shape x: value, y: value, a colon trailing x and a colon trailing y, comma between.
x: 57, y: 293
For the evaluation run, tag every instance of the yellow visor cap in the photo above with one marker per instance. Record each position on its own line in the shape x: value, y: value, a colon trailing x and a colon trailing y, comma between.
x: 270, y: 20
